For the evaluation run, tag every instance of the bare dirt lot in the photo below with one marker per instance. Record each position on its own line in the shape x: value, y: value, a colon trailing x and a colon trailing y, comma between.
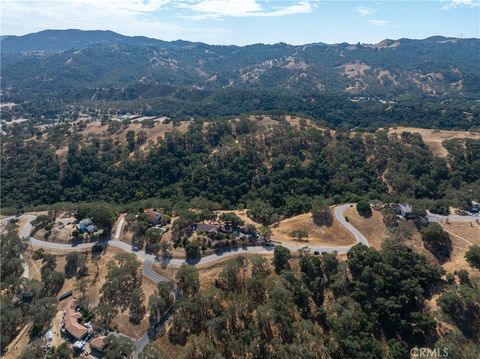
x: 334, y: 235
x: 434, y: 138
x: 243, y: 215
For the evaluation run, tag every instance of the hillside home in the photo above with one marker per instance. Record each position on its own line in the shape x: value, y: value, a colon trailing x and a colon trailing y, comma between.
x: 404, y: 210
x: 475, y: 208
x: 154, y: 217
x: 86, y: 225
x: 206, y: 228
x: 70, y: 322
x: 98, y: 343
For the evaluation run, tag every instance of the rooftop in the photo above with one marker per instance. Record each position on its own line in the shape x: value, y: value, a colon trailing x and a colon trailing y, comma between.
x: 70, y: 320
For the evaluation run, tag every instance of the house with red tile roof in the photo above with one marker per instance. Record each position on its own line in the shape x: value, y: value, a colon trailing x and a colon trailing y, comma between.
x: 70, y: 322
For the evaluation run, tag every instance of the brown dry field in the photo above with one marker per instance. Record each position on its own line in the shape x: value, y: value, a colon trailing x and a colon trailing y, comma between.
x: 243, y: 215
x: 434, y: 138
x: 207, y: 271
x: 153, y: 134
x: 164, y: 346
x: 334, y: 235
x: 373, y: 227
x: 15, y: 348
x: 95, y: 128
x: 61, y: 231
x: 469, y: 232
x: 96, y: 277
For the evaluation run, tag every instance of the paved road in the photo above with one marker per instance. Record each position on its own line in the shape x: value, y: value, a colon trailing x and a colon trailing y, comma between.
x: 149, y: 260
x: 432, y: 217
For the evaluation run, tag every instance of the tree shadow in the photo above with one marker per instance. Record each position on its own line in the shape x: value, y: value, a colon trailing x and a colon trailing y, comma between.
x: 324, y: 221
x: 366, y: 214
x: 441, y: 253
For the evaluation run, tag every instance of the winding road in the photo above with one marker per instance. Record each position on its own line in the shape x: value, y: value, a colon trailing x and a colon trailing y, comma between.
x: 149, y: 260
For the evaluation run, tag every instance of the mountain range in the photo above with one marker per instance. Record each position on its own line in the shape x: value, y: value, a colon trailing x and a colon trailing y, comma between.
x: 75, y: 65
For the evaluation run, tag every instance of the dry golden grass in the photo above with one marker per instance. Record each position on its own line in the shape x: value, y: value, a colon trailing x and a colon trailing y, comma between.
x: 153, y: 134
x: 434, y: 138
x: 460, y: 233
x: 96, y: 129
x: 15, y: 348
x: 372, y: 227
x: 164, y: 346
x: 243, y: 215
x: 208, y: 271
x: 334, y: 235
x: 97, y: 271
x: 469, y: 231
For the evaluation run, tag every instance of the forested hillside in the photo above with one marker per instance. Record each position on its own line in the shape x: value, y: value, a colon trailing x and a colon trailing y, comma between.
x: 374, y: 305
x: 278, y: 167
x: 45, y: 73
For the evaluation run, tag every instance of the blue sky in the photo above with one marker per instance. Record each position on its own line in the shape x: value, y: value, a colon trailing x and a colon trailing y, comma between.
x: 249, y: 21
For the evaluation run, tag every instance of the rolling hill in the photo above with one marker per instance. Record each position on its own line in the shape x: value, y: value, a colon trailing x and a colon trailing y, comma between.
x: 49, y: 70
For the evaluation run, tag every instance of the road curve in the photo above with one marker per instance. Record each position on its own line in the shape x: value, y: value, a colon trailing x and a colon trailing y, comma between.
x: 149, y: 260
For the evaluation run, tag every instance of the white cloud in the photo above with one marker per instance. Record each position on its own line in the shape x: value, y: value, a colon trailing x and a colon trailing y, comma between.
x: 128, y: 17
x: 377, y: 22
x: 363, y: 11
x: 242, y: 8
x: 452, y: 4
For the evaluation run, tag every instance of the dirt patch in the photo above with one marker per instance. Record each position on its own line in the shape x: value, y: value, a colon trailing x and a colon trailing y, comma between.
x: 8, y: 105
x: 354, y: 69
x: 372, y: 227
x: 434, y: 138
x: 243, y: 215
x: 164, y: 346
x: 459, y: 234
x: 469, y: 231
x: 153, y: 134
x: 334, y: 235
x: 15, y: 348
x: 208, y: 271
x: 295, y: 63
x: 97, y: 271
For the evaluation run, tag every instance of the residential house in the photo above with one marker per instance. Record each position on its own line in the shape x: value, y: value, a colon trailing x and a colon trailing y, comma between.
x: 475, y: 208
x: 206, y: 228
x: 404, y: 210
x: 98, y: 343
x: 86, y: 225
x: 70, y: 322
x: 154, y: 217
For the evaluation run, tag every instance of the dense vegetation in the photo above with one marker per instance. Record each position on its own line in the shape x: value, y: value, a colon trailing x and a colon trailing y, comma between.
x: 372, y: 306
x: 55, y: 73
x: 273, y: 172
x: 25, y: 301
